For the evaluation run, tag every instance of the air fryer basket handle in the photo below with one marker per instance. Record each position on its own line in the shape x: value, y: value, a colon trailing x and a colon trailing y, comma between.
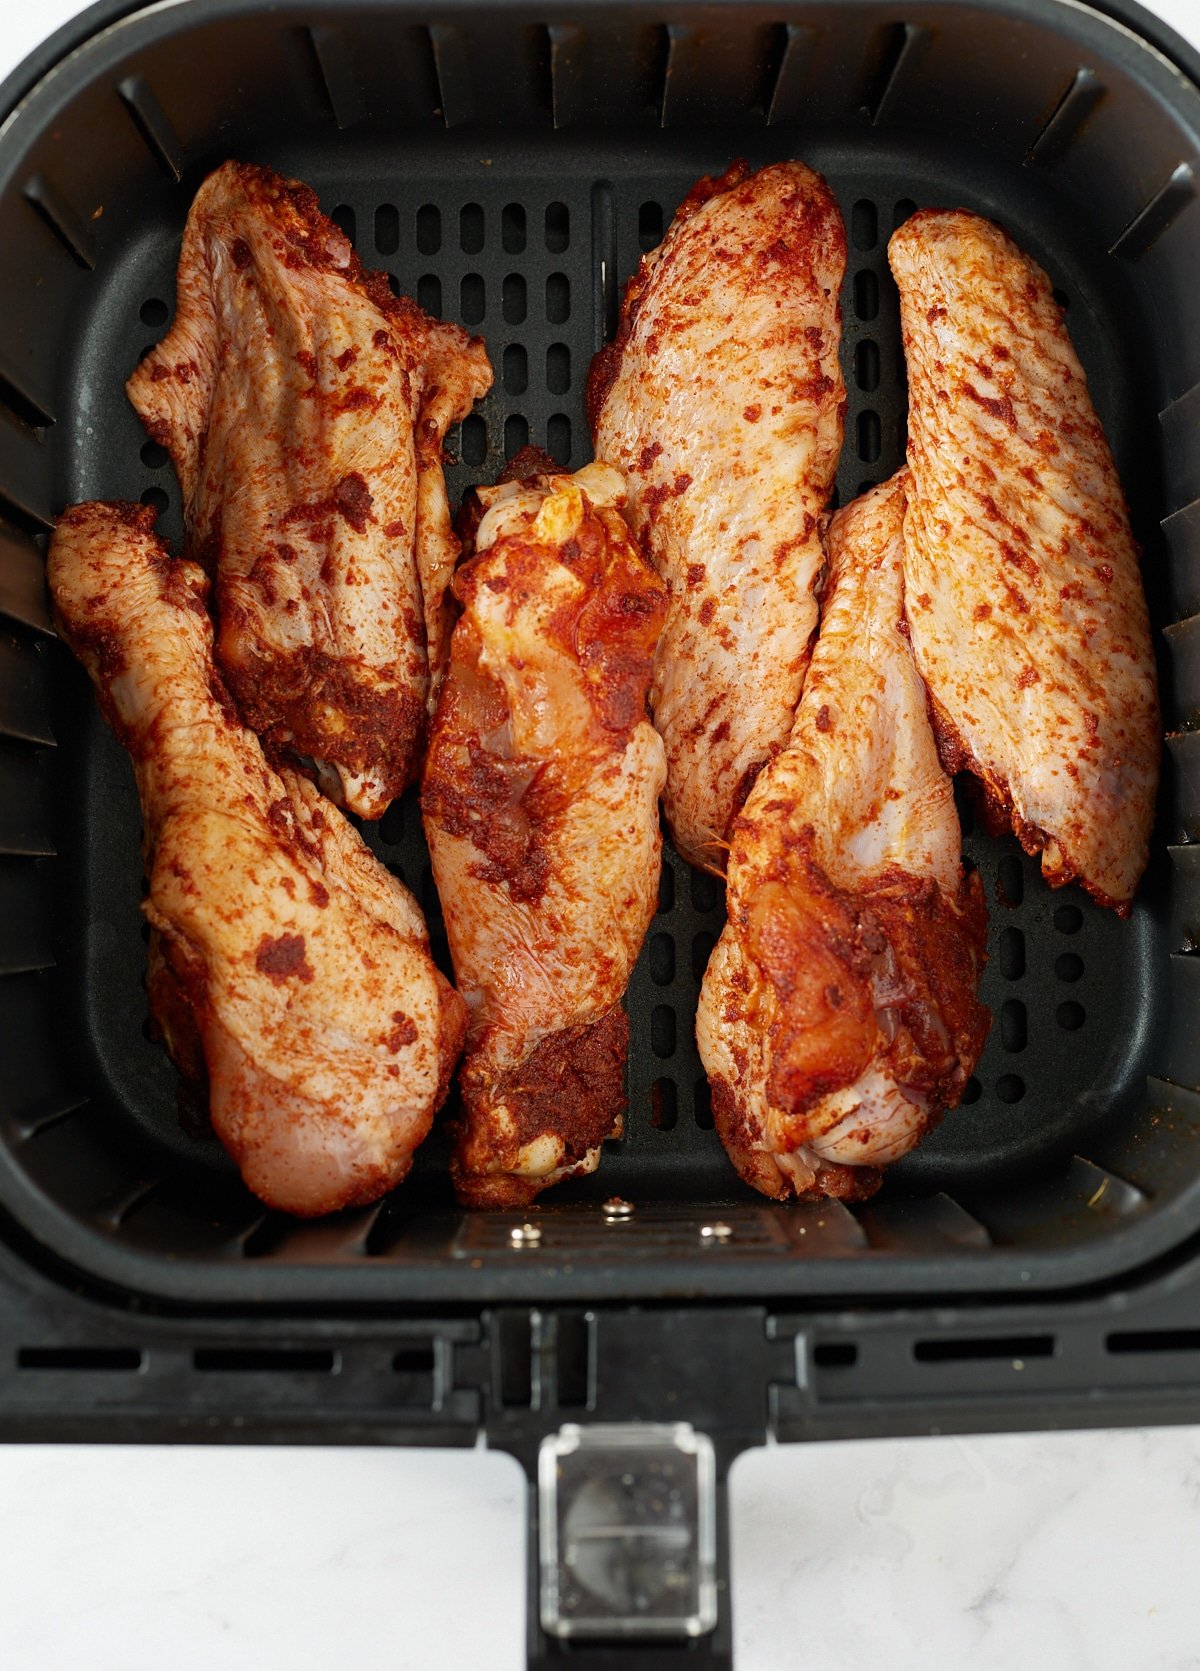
x: 642, y: 1509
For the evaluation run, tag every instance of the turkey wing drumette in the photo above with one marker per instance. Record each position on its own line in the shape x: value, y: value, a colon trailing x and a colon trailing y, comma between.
x: 540, y: 800
x: 838, y: 1016
x: 288, y: 970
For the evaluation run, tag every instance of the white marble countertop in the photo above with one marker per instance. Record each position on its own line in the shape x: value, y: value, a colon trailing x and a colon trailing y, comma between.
x: 1076, y: 1552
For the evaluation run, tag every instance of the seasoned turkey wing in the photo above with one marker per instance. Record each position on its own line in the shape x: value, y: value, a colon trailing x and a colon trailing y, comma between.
x: 838, y: 1017
x: 1025, y: 599
x: 540, y: 801
x: 289, y: 972
x: 722, y: 401
x: 304, y: 408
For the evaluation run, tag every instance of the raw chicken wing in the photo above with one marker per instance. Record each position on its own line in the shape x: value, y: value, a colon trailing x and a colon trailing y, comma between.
x: 540, y: 801
x: 304, y: 408
x: 722, y: 400
x: 1025, y: 600
x: 288, y: 969
x: 838, y: 1016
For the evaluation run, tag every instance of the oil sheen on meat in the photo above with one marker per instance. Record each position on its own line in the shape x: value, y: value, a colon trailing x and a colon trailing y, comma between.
x: 838, y: 1016
x: 289, y: 971
x: 540, y: 801
x: 722, y: 401
x: 304, y: 408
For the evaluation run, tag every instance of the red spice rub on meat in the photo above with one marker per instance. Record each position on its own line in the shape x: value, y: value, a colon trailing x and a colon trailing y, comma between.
x: 540, y: 806
x: 305, y: 408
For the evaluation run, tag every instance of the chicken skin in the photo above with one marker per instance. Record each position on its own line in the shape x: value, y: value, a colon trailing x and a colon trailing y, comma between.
x: 1025, y: 600
x: 289, y: 971
x: 838, y: 1016
x: 722, y: 401
x: 304, y: 408
x: 540, y: 802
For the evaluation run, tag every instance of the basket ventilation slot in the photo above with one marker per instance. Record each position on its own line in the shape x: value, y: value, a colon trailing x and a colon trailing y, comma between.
x: 1163, y: 209
x: 151, y: 121
x: 892, y: 47
x: 1066, y: 120
x: 21, y: 405
x: 1154, y: 1340
x: 265, y: 1360
x: 343, y: 93
x: 81, y: 1358
x: 1015, y: 1347
x: 62, y: 220
x: 455, y: 91
x: 787, y: 96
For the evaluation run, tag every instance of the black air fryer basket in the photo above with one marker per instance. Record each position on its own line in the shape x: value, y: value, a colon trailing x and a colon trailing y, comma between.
x: 1037, y: 1262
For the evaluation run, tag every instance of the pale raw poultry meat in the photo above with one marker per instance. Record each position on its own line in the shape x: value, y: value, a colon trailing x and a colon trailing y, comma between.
x: 304, y: 408
x: 722, y: 401
x: 838, y: 1017
x: 1025, y: 599
x: 540, y: 801
x: 290, y: 973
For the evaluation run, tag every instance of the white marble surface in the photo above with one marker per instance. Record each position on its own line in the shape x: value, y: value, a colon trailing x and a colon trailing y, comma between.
x: 1075, y: 1552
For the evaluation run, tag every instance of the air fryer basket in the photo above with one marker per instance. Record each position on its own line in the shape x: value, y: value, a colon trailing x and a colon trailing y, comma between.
x: 507, y: 164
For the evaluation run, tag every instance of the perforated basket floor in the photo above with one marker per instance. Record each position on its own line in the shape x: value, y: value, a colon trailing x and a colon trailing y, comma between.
x: 1069, y: 1147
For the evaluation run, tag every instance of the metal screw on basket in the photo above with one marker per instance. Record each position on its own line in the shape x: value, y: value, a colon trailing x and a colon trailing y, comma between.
x: 525, y: 1235
x: 617, y: 1211
x: 718, y: 1232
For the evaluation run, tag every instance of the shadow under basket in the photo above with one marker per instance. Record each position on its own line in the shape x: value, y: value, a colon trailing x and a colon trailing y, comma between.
x: 507, y: 165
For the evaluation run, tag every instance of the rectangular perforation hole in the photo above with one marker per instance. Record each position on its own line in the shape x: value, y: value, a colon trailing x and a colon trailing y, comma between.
x: 1013, y: 1025
x: 515, y: 372
x: 387, y: 229
x: 866, y: 365
x: 650, y: 226
x: 1154, y: 1340
x: 1012, y: 954
x: 558, y: 438
x: 413, y: 1367
x: 265, y: 1360
x: 558, y: 227
x: 864, y: 224
x: 870, y: 437
x: 472, y: 299
x: 107, y: 1358
x: 512, y: 228
x: 573, y: 1347
x: 866, y: 295
x: 429, y: 229
x: 558, y: 368
x: 702, y: 1104
x: 473, y: 440
x: 974, y: 1351
x: 558, y: 298
x: 835, y: 1354
x: 471, y: 228
x: 664, y: 1105
x: 514, y: 301
x: 515, y: 1331
x: 662, y: 1031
